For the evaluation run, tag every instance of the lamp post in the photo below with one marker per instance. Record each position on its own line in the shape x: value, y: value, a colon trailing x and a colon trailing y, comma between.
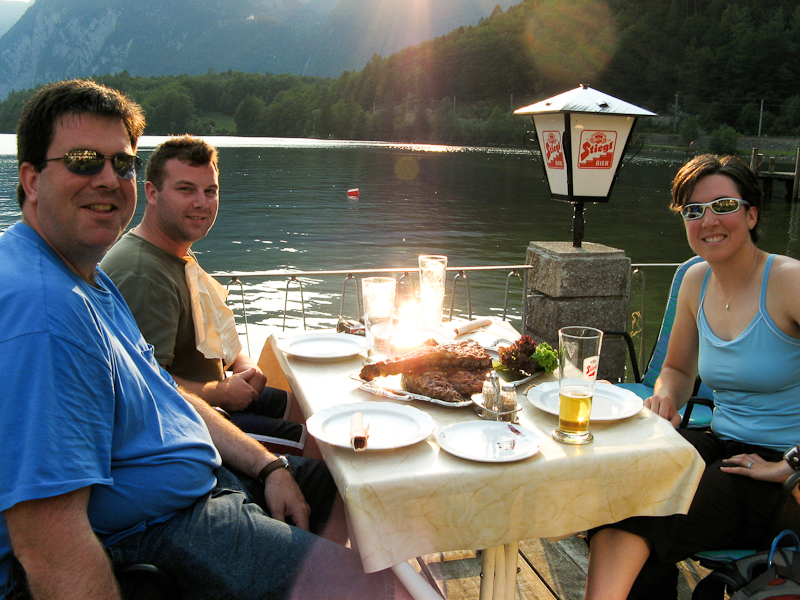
x: 583, y: 134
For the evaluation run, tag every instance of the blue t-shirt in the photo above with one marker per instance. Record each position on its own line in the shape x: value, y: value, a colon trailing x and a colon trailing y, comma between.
x: 755, y: 378
x: 84, y: 403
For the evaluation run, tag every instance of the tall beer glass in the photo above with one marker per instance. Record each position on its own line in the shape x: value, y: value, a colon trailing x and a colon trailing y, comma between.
x: 578, y: 359
x: 432, y: 275
x: 379, y: 294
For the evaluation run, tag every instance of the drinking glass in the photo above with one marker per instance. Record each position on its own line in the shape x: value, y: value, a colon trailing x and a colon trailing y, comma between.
x: 432, y: 274
x: 578, y: 358
x: 378, y: 294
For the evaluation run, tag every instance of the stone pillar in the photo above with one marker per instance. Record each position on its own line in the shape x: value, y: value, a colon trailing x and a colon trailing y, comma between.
x: 589, y: 286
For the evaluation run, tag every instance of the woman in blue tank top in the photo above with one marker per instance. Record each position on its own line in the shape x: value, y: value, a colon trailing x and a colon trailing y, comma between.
x: 738, y: 323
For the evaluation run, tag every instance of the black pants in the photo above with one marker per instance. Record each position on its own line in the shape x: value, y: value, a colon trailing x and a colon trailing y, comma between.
x: 727, y: 512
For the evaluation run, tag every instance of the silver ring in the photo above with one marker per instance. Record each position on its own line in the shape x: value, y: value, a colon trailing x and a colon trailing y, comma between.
x: 750, y: 465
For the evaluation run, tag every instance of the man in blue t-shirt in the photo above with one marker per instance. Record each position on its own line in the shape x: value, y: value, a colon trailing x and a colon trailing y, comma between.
x: 106, y: 460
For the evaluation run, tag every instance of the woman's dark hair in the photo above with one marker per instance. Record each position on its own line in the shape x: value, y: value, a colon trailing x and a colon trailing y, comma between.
x: 743, y: 178
x: 36, y: 125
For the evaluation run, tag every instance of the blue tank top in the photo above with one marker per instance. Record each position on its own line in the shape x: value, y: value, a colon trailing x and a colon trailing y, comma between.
x: 755, y: 378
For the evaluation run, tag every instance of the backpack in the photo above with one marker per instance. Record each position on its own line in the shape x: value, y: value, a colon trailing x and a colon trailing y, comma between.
x: 772, y: 574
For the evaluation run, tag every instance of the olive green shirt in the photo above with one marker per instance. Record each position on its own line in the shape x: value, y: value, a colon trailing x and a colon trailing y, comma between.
x: 153, y: 283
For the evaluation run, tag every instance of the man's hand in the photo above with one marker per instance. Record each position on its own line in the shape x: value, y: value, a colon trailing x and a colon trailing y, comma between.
x: 235, y: 393
x: 255, y: 376
x: 285, y: 500
x: 664, y: 407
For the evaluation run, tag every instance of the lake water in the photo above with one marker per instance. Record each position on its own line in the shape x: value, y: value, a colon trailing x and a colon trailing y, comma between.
x: 284, y: 205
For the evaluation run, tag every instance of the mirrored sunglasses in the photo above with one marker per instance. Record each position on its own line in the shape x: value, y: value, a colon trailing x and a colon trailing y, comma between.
x: 90, y: 162
x: 721, y: 206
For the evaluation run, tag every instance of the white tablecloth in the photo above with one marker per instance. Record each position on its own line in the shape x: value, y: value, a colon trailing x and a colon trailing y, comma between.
x: 418, y: 500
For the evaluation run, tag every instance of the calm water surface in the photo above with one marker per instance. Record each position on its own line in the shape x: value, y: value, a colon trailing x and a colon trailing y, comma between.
x: 284, y: 205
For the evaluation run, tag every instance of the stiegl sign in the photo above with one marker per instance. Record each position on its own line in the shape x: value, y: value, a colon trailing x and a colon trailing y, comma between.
x: 583, y: 135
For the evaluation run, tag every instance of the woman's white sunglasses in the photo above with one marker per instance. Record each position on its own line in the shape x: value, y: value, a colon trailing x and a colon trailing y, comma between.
x: 720, y: 206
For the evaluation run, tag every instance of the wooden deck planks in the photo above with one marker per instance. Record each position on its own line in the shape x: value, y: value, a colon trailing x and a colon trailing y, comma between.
x: 547, y: 571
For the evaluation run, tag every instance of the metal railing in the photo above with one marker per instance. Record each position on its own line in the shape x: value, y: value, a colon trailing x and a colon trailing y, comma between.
x: 407, y: 286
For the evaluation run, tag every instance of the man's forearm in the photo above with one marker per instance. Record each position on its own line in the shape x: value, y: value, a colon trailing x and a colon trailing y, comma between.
x: 62, y: 557
x: 237, y: 449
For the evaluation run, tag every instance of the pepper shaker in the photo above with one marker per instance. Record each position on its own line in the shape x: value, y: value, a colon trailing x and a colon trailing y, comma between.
x: 491, y: 391
x: 508, y: 400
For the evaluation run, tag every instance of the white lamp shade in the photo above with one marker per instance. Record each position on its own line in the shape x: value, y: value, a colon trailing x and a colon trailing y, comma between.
x: 583, y: 134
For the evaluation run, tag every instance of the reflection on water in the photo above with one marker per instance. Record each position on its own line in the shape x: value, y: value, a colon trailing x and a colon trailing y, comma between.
x: 284, y: 205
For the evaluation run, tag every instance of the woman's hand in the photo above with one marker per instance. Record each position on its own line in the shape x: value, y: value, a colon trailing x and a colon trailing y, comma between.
x: 755, y: 467
x: 664, y: 407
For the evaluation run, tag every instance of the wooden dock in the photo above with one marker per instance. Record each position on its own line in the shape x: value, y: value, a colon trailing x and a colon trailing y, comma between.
x: 546, y: 571
x: 767, y: 175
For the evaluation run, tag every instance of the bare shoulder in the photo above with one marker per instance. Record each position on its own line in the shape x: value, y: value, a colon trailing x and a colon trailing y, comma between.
x: 782, y: 291
x: 785, y: 273
x: 693, y: 281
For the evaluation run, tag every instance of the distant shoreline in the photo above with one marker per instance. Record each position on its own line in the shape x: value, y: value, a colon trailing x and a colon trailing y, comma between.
x: 777, y: 146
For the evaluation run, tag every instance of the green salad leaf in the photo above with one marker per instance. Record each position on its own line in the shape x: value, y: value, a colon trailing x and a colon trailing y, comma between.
x: 545, y: 357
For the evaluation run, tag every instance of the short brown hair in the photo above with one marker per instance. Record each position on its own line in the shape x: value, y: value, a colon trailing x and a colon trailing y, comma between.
x: 186, y: 148
x: 702, y: 166
x: 35, y: 128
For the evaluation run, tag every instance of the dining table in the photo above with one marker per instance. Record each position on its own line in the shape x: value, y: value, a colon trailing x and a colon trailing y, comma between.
x: 405, y: 500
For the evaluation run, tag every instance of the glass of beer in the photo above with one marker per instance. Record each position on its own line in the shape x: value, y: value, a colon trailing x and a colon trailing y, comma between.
x: 578, y: 358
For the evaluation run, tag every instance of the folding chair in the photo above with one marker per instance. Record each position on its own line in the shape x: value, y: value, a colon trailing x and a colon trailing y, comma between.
x: 698, y: 416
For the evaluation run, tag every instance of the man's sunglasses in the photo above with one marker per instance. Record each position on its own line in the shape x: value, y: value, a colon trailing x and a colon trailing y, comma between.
x: 90, y: 162
x: 721, y: 206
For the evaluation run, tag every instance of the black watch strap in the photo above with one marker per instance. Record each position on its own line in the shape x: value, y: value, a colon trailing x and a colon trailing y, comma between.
x: 279, y: 463
x: 793, y: 457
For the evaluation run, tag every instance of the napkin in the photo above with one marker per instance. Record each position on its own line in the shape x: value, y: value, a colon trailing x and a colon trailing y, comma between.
x: 472, y: 325
x: 358, y: 432
x: 214, y: 324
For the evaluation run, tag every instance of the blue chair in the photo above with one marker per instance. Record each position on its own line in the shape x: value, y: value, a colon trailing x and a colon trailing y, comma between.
x: 697, y: 413
x: 715, y: 585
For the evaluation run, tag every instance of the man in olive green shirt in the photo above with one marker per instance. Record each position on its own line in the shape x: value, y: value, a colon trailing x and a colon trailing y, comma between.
x: 149, y: 266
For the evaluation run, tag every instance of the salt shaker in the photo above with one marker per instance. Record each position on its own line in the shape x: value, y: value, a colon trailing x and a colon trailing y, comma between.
x: 508, y: 397
x: 491, y: 391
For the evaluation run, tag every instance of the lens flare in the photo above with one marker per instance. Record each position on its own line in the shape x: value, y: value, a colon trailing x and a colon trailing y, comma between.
x: 571, y: 42
x: 406, y: 168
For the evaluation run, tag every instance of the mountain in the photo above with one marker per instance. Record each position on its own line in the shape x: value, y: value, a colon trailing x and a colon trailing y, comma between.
x: 57, y: 39
x: 10, y: 12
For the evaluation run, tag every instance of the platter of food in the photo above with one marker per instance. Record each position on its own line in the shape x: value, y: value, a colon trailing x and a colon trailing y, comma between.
x: 445, y: 374
x: 323, y: 346
x: 391, y: 387
x: 489, y: 441
x: 389, y: 425
x: 610, y: 402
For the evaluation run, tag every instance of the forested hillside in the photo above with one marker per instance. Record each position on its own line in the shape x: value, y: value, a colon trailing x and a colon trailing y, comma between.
x: 709, y: 62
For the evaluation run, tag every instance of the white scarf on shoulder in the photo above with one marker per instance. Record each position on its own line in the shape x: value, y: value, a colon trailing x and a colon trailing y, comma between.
x: 214, y: 324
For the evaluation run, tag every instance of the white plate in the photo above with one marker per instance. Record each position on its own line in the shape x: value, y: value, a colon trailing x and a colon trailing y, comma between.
x: 322, y: 346
x: 489, y: 441
x: 610, y: 402
x: 519, y: 382
x: 390, y: 425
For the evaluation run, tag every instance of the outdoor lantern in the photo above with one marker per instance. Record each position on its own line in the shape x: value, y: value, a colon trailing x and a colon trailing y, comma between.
x: 583, y: 134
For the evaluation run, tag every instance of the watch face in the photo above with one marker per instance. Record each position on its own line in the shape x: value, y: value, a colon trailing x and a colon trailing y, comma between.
x: 793, y: 458
x: 286, y: 464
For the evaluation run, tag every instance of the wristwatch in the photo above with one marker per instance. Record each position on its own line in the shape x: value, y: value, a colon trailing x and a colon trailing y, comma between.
x: 793, y: 457
x: 279, y: 463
